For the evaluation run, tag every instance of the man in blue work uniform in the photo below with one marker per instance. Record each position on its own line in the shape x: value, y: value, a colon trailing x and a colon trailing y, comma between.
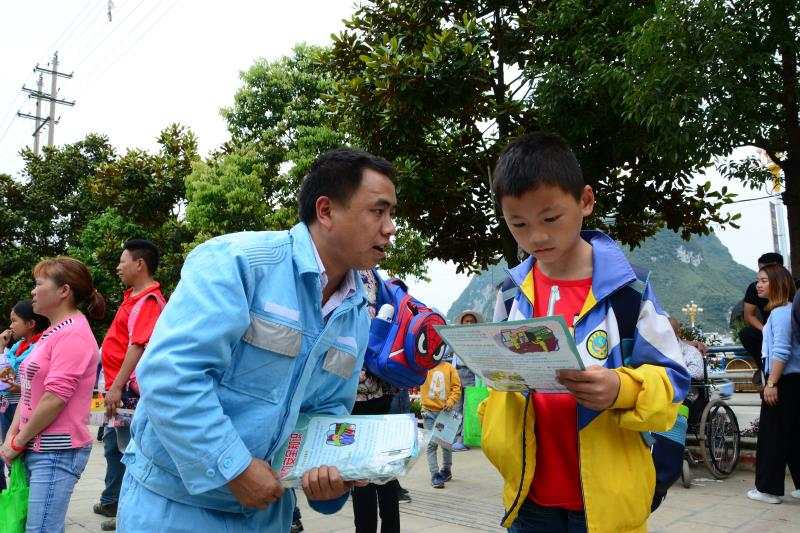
x: 263, y: 326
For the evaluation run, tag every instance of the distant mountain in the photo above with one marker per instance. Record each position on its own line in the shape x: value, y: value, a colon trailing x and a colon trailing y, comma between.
x: 700, y: 269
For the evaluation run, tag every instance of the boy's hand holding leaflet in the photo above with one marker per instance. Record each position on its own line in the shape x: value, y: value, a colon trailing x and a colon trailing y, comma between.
x: 596, y: 387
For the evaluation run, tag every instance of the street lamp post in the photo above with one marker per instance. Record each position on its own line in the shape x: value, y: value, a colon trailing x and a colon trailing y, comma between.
x: 692, y: 310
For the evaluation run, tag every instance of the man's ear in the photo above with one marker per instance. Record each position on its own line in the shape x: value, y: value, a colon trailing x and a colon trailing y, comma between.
x: 324, y: 208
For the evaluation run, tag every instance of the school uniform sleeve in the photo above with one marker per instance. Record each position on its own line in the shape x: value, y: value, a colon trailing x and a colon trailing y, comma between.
x: 185, y: 359
x: 145, y: 322
x: 500, y: 313
x: 655, y: 382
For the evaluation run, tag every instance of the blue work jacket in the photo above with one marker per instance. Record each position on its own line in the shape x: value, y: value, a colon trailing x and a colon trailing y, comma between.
x: 240, y: 350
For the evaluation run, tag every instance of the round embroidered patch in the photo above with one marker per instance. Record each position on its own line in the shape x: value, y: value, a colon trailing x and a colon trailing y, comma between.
x: 597, y: 344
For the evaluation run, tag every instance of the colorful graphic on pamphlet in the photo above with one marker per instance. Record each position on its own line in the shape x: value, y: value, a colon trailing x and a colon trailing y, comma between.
x: 528, y: 339
x: 341, y: 434
x: 520, y: 355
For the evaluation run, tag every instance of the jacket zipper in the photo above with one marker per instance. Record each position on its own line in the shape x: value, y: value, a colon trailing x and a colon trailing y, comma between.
x: 522, y: 477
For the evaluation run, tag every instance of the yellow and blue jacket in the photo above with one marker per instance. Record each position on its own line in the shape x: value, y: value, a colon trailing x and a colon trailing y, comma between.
x: 616, y: 467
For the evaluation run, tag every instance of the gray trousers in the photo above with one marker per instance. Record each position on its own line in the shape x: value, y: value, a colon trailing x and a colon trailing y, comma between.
x: 447, y: 454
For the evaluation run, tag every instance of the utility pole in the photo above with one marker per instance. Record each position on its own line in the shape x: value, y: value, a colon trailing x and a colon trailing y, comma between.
x: 38, y: 116
x: 55, y: 74
x: 40, y: 95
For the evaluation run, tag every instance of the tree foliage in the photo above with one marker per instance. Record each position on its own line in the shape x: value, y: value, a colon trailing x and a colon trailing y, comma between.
x: 442, y: 86
x: 84, y: 200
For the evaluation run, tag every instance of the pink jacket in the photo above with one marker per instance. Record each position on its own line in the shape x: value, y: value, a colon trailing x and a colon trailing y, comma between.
x: 64, y: 363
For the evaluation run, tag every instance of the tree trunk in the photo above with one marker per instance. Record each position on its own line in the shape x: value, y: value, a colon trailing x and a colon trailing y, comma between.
x: 791, y: 126
x: 509, y: 245
x: 791, y: 198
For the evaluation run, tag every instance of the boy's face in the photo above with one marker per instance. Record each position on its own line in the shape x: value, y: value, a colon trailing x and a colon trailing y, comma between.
x: 546, y: 222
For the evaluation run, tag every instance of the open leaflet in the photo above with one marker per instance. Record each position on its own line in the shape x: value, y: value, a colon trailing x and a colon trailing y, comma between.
x: 516, y: 356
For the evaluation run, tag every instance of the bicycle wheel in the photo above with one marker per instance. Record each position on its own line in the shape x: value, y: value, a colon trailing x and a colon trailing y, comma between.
x: 720, y: 439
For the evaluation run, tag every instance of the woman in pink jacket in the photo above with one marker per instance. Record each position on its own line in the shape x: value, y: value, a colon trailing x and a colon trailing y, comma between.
x: 57, y: 379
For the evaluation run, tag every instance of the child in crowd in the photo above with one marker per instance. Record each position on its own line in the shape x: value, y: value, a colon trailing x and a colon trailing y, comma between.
x: 440, y: 392
x: 576, y: 461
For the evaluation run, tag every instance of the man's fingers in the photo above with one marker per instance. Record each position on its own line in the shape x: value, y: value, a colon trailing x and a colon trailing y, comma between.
x: 313, y: 481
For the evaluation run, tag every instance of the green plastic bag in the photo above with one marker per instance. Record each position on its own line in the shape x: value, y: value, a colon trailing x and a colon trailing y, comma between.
x: 14, y: 500
x: 473, y: 396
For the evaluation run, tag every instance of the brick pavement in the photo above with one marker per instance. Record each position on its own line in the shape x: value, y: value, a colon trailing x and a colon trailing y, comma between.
x: 471, y: 503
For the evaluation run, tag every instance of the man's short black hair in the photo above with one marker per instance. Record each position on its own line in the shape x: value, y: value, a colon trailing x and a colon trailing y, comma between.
x: 337, y: 175
x: 770, y: 258
x: 533, y: 160
x: 145, y: 250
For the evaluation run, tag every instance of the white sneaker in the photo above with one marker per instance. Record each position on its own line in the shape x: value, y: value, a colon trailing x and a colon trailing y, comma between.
x: 795, y: 494
x: 755, y: 494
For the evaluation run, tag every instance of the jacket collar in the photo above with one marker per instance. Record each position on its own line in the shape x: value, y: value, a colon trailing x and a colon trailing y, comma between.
x: 305, y: 260
x: 611, y: 270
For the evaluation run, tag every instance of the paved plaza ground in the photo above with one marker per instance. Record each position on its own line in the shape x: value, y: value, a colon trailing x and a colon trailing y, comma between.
x: 471, y: 502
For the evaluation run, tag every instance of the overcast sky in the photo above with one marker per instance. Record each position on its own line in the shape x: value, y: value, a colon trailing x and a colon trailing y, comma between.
x: 164, y: 61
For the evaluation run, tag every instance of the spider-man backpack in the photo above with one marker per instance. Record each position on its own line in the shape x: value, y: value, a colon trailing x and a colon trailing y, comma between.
x: 402, y: 350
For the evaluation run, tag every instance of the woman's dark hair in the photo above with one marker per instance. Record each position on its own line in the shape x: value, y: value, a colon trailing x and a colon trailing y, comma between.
x: 781, y: 286
x: 24, y: 310
x: 337, y: 174
x: 68, y: 271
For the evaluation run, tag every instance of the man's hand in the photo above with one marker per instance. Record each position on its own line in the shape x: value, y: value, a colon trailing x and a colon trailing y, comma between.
x: 325, y: 483
x: 257, y: 486
x: 771, y: 395
x: 113, y: 400
x: 596, y: 387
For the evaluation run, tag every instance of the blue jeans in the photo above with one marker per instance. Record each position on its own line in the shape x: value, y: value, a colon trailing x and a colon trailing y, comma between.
x: 52, y: 477
x: 534, y: 518
x: 114, y: 467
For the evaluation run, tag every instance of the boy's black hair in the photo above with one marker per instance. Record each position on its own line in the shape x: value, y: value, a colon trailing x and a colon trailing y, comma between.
x: 24, y: 310
x: 146, y: 250
x: 533, y: 160
x: 770, y: 258
x: 337, y: 175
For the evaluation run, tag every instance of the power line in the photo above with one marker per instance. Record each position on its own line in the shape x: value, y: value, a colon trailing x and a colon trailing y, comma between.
x: 109, y: 34
x: 754, y: 199
x: 136, y: 41
x: 66, y: 34
x: 70, y: 26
